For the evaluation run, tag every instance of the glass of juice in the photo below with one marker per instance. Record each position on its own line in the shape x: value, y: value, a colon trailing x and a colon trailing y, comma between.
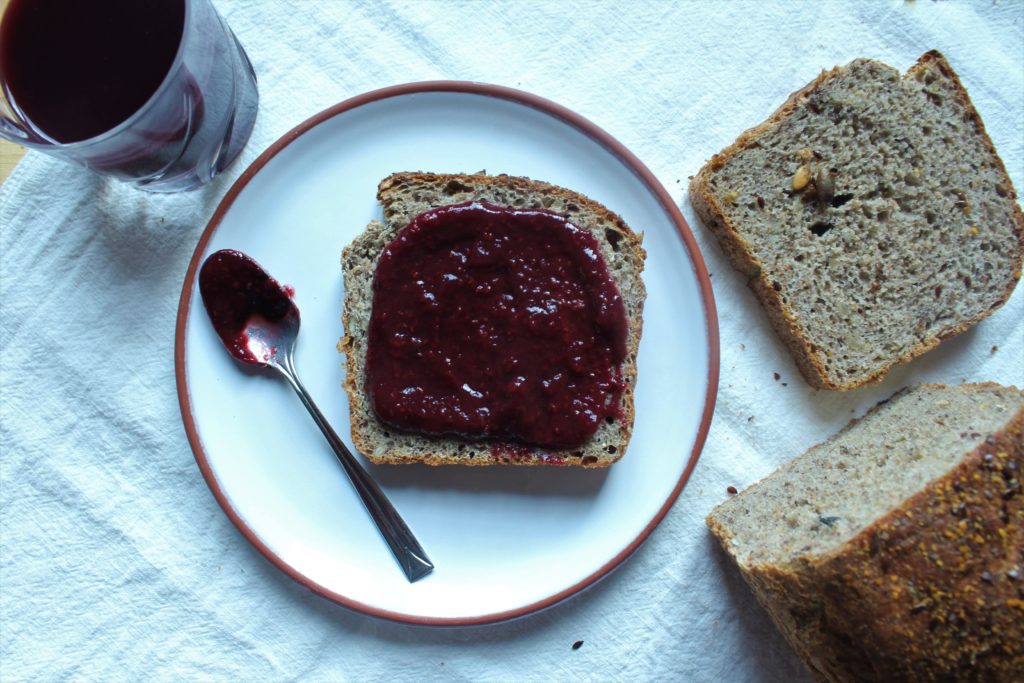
x: 158, y: 93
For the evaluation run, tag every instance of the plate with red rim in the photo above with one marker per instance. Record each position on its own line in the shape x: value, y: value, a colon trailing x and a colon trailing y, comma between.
x: 506, y: 541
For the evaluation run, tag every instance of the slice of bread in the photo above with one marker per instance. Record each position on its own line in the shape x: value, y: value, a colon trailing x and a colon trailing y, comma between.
x: 403, y: 197
x: 895, y: 550
x: 871, y: 216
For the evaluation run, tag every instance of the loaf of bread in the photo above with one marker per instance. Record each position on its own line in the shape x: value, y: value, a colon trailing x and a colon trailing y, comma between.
x: 407, y: 195
x: 894, y: 551
x: 871, y: 216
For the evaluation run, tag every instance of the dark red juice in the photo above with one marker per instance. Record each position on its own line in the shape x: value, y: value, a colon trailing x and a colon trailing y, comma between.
x: 79, y: 68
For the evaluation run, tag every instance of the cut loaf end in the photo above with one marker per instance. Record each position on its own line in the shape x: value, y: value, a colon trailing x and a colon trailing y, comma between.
x: 895, y: 550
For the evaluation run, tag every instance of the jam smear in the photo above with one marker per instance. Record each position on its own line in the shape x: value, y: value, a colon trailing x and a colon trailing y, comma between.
x: 493, y: 322
x: 235, y: 289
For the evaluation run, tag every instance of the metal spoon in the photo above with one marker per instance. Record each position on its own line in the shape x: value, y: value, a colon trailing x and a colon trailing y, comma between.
x: 258, y: 323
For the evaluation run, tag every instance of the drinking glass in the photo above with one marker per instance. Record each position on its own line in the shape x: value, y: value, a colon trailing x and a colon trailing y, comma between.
x: 190, y: 129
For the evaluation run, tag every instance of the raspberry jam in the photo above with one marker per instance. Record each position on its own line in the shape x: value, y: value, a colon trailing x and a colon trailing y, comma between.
x: 235, y: 289
x: 492, y: 322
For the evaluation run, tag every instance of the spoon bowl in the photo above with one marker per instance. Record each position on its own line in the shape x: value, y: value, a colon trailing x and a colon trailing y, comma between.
x: 271, y: 341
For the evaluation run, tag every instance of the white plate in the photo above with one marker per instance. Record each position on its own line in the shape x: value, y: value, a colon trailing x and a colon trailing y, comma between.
x: 505, y: 541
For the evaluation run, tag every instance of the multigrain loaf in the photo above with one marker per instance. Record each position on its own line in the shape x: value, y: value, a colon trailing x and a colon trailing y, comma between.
x: 894, y: 551
x: 871, y: 216
x: 404, y: 196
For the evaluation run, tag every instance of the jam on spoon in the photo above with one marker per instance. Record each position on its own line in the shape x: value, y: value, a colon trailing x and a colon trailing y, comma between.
x: 258, y: 322
x: 237, y: 292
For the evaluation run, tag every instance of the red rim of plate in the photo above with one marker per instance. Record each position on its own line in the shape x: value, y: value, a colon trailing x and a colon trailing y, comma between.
x: 559, y: 112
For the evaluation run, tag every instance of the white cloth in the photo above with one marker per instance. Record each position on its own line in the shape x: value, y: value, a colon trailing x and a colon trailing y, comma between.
x: 115, y: 560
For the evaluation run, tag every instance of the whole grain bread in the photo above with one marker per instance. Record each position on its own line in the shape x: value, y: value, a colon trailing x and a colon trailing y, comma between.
x: 871, y: 216
x: 403, y: 197
x: 894, y: 551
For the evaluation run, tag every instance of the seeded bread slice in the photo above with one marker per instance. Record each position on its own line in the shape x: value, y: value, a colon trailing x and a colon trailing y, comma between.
x: 895, y: 550
x: 403, y: 197
x: 871, y: 215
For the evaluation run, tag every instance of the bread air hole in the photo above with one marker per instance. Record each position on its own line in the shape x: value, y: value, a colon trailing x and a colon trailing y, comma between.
x: 821, y: 227
x: 454, y: 187
x: 613, y: 237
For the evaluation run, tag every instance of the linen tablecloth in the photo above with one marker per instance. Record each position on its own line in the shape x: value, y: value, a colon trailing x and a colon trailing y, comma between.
x: 115, y: 560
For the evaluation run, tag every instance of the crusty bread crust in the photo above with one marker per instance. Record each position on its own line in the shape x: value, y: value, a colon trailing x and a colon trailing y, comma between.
x: 406, y: 195
x: 743, y: 257
x: 933, y: 590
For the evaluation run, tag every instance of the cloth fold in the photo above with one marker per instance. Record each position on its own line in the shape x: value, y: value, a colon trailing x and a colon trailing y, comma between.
x: 115, y: 560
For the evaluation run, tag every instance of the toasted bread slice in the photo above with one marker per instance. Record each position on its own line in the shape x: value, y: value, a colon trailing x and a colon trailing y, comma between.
x: 403, y: 197
x: 871, y: 215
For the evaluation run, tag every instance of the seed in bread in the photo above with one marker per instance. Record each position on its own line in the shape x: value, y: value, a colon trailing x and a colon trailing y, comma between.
x: 895, y: 550
x: 405, y: 196
x: 871, y: 216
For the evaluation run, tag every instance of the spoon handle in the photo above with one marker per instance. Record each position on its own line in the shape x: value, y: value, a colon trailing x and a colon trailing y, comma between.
x: 403, y: 544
